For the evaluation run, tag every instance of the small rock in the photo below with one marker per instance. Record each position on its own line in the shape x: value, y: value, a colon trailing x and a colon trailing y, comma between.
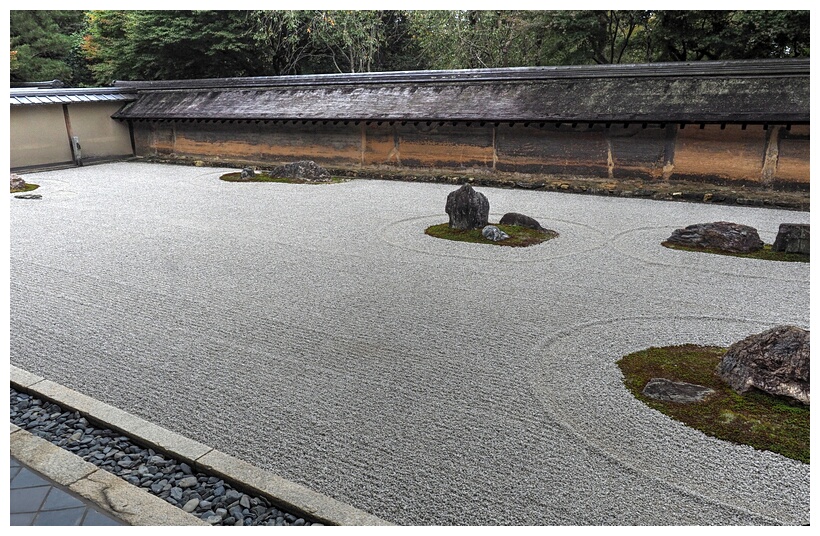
x: 29, y: 196
x: 245, y: 501
x: 187, y: 482
x: 491, y: 232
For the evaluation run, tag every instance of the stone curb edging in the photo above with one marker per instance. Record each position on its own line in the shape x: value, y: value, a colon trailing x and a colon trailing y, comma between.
x: 131, y: 505
x: 109, y: 492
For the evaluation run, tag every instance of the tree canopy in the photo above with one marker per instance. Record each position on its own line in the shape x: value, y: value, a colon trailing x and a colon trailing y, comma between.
x: 97, y: 47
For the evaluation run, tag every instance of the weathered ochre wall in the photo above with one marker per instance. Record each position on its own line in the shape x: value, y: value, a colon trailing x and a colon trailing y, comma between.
x: 793, y: 156
x: 654, y: 151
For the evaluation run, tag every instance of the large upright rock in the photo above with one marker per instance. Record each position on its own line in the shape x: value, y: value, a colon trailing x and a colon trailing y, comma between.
x: 792, y: 238
x: 775, y: 361
x: 467, y: 208
x: 721, y: 235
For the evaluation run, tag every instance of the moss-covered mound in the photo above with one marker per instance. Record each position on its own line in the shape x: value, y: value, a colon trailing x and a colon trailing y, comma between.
x: 27, y: 188
x: 766, y: 254
x: 519, y: 236
x: 756, y: 419
x: 265, y: 177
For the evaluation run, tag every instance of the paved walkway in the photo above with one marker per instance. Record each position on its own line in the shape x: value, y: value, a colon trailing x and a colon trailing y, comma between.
x: 37, y: 501
x: 316, y: 332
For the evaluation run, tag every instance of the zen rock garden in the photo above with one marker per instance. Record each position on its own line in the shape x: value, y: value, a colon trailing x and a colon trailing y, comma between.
x: 468, y: 212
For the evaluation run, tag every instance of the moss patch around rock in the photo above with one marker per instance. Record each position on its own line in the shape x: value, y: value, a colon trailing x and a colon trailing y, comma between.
x: 519, y: 236
x: 756, y: 419
x: 27, y: 188
x: 766, y: 254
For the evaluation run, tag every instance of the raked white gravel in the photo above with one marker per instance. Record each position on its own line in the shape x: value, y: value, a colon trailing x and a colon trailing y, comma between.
x: 316, y: 331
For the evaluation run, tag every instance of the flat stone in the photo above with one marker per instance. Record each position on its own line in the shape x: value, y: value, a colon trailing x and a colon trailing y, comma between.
x: 722, y: 235
x: 680, y: 392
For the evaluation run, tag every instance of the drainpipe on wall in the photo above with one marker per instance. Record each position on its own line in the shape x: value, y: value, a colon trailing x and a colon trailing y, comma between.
x: 74, y: 141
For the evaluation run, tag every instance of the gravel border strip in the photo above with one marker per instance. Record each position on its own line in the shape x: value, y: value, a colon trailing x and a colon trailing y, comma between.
x: 185, y: 459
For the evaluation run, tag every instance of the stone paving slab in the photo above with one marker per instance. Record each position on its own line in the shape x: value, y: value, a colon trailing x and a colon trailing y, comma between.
x: 317, y: 333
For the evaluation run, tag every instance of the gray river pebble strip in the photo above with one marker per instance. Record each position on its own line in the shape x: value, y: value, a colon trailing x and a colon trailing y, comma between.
x: 208, y: 497
x: 316, y: 332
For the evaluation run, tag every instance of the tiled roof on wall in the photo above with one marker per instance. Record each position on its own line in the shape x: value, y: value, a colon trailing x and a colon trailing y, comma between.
x: 27, y: 97
x: 759, y: 91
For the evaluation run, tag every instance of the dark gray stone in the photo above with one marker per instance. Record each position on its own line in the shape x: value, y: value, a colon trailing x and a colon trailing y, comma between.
x: 306, y: 170
x: 792, y: 238
x: 467, y: 208
x: 29, y: 196
x: 514, y: 218
x: 775, y: 362
x: 721, y: 235
x: 247, y: 173
x: 680, y: 392
x: 187, y: 482
x: 491, y: 232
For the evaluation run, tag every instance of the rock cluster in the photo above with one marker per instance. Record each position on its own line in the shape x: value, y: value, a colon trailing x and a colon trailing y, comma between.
x: 206, y: 496
x: 721, y: 235
x: 306, y: 170
x: 467, y: 208
x: 792, y: 238
x: 775, y: 361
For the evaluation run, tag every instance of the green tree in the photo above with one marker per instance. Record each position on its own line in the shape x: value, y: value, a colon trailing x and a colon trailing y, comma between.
x: 167, y: 45
x: 285, y: 40
x: 42, y: 46
x: 351, y: 40
x: 713, y: 35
